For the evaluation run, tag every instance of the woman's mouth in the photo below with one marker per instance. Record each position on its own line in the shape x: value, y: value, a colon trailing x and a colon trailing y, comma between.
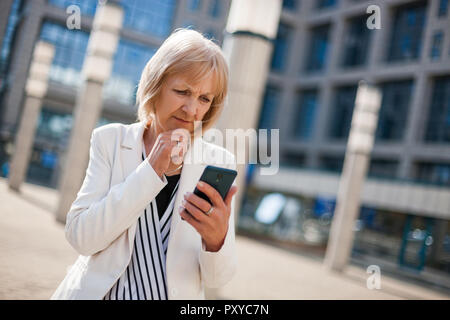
x: 182, y: 121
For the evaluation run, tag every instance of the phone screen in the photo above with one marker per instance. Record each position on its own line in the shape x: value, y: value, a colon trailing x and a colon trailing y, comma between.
x: 219, y: 178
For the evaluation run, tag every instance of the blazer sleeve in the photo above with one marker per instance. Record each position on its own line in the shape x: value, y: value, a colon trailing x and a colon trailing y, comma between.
x: 218, y: 268
x: 99, y: 213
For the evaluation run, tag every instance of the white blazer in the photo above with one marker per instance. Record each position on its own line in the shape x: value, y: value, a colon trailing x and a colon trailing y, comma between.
x: 101, y: 223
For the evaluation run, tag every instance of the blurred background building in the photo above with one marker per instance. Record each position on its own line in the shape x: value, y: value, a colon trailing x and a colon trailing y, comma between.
x: 322, y: 50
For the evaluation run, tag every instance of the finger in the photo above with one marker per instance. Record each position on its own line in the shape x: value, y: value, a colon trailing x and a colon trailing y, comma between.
x: 180, y: 134
x: 177, y: 152
x: 194, y: 211
x: 212, y: 193
x: 186, y: 216
x: 230, y: 195
x: 200, y: 203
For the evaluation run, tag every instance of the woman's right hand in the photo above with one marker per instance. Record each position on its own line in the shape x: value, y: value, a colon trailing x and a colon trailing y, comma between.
x: 166, y: 150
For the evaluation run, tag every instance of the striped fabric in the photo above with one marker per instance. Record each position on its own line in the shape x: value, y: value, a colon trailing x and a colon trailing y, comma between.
x: 145, y: 276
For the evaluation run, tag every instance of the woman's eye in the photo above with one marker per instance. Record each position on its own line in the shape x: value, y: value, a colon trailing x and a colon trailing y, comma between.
x: 180, y: 91
x: 206, y: 100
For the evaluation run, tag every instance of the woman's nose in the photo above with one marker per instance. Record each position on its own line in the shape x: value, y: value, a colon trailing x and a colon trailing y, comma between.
x: 190, y: 108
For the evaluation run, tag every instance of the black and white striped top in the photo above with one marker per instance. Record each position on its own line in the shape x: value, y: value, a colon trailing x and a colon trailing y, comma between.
x: 145, y: 276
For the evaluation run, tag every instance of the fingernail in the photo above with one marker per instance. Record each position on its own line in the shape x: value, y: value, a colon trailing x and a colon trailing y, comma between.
x: 201, y: 184
x: 183, y: 202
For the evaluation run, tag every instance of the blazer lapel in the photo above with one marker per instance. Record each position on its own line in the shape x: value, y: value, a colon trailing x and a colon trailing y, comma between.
x: 131, y: 158
x: 190, y: 174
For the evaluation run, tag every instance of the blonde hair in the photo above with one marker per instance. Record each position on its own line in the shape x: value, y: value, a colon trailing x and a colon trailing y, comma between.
x: 186, y: 52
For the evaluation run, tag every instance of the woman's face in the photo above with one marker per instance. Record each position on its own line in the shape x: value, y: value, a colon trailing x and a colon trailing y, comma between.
x: 180, y: 102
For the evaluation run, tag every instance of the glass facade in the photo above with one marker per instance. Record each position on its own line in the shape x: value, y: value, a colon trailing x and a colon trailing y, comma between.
x: 443, y: 8
x: 293, y: 159
x: 342, y: 112
x: 281, y: 48
x: 211, y: 34
x: 326, y: 3
x: 438, y: 126
x: 332, y: 164
x: 271, y: 100
x: 215, y: 8
x: 356, y: 43
x: 291, y: 5
x: 149, y: 16
x: 8, y: 40
x: 382, y: 237
x: 145, y: 16
x: 406, y: 41
x: 50, y: 142
x: 394, y: 109
x: 87, y: 7
x: 122, y: 84
x: 194, y: 5
x: 434, y: 173
x: 305, y: 114
x: 380, y: 168
x: 70, y: 49
x: 318, y: 49
x: 436, y: 46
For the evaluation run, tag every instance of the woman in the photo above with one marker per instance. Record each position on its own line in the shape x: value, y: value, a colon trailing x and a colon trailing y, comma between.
x: 136, y: 205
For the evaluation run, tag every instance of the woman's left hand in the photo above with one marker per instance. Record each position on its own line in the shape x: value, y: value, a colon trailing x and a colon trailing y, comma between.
x: 213, y: 227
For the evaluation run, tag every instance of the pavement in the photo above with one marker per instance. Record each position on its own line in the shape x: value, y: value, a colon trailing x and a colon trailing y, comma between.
x: 35, y: 256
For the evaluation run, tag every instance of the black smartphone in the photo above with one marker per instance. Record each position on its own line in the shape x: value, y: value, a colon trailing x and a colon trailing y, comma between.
x: 219, y: 178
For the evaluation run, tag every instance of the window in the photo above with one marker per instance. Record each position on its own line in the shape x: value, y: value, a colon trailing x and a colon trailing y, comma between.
x: 290, y: 5
x: 293, y: 159
x: 304, y: 118
x: 393, y: 113
x: 54, y: 126
x: 193, y: 5
x: 149, y: 16
x: 443, y: 8
x: 438, y: 126
x: 215, y: 8
x: 281, y: 48
x: 8, y: 38
x: 70, y: 49
x: 332, y: 163
x: 87, y: 7
x: 211, y: 34
x: 269, y: 107
x: 342, y: 113
x: 406, y: 40
x: 383, y: 168
x: 122, y: 84
x: 356, y: 43
x: 438, y: 39
x: 319, y: 43
x: 435, y: 173
x: 321, y: 4
x: 189, y: 25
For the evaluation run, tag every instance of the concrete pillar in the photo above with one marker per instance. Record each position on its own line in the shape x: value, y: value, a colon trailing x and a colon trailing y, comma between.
x: 97, y: 67
x: 35, y: 90
x: 357, y: 157
x: 251, y: 27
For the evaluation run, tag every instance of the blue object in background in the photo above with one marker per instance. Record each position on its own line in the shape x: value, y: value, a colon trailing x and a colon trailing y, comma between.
x: 249, y: 173
x: 324, y: 206
x: 48, y: 159
x: 5, y: 169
